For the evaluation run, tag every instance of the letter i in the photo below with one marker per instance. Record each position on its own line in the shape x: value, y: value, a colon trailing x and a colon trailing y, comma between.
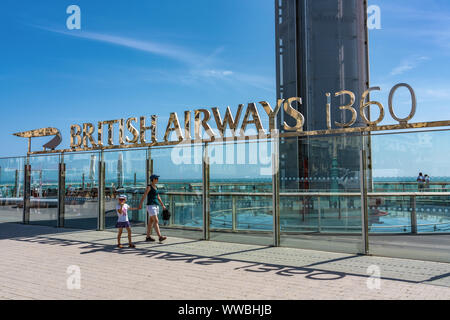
x: 187, y: 125
x: 328, y: 110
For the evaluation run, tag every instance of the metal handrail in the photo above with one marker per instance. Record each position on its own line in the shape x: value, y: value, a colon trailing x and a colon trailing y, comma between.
x: 312, y: 194
x: 234, y: 210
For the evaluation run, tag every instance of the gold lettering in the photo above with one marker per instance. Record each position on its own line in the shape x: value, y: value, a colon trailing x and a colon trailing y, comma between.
x: 204, y: 123
x: 88, y: 130
x: 144, y: 129
x: 176, y: 127
x: 347, y: 107
x: 272, y: 113
x: 132, y: 129
x: 110, y: 125
x: 187, y: 125
x: 75, y: 132
x: 328, y: 109
x: 121, y: 131
x: 296, y: 115
x: 256, y: 120
x: 228, y: 119
x: 100, y: 134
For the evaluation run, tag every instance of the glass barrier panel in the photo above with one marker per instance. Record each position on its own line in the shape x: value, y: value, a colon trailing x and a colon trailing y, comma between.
x: 11, y: 189
x: 180, y: 171
x: 241, y: 207
x: 81, y: 198
x: 44, y: 190
x: 320, y: 199
x: 125, y: 174
x: 186, y: 210
x: 410, y: 193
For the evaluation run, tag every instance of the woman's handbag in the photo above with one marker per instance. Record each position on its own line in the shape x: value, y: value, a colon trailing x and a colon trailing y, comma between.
x: 166, y: 214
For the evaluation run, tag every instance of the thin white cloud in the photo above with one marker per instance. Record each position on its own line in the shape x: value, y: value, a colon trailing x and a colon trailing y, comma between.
x: 212, y: 73
x: 438, y: 94
x: 201, y: 68
x: 408, y: 64
x: 165, y: 50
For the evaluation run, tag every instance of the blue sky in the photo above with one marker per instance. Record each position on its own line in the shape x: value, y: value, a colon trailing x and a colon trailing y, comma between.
x: 153, y: 57
x: 157, y: 57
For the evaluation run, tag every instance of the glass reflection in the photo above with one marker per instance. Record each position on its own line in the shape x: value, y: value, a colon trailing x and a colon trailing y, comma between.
x: 11, y: 189
x: 44, y: 190
x: 81, y: 191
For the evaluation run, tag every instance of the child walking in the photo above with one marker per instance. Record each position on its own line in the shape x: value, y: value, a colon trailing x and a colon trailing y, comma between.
x: 122, y: 221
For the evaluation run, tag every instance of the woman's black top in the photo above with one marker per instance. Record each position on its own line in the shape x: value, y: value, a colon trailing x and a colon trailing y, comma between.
x: 152, y: 196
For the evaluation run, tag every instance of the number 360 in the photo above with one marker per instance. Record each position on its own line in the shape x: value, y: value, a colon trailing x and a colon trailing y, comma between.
x: 363, y: 105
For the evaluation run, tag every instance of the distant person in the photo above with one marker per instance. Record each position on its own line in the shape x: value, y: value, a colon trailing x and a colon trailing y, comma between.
x: 122, y: 221
x: 427, y: 182
x: 152, y: 193
x: 421, y: 181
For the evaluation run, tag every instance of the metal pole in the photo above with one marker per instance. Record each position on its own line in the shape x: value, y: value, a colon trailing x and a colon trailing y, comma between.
x: 206, y: 209
x: 61, y: 193
x: 172, y: 208
x: 26, y: 193
x: 234, y: 213
x: 149, y: 166
x: 40, y: 184
x: 364, y: 209
x: 276, y: 189
x: 367, y: 71
x: 319, y: 214
x: 413, y: 201
x: 16, y: 185
x: 148, y: 173
x: 101, y: 193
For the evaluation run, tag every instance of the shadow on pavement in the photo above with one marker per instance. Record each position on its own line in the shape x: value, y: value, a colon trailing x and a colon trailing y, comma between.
x: 17, y: 230
x: 41, y: 235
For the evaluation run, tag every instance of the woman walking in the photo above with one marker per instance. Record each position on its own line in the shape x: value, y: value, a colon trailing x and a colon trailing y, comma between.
x: 152, y: 195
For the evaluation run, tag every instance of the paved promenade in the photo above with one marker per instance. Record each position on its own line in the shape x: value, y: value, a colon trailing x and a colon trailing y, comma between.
x: 43, y: 263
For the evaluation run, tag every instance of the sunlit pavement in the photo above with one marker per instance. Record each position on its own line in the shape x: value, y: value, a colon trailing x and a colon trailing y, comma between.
x: 43, y: 263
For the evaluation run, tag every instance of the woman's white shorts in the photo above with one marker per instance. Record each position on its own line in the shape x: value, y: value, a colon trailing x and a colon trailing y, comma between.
x: 153, y: 210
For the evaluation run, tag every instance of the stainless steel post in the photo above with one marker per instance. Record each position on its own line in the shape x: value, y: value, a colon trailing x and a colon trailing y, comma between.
x: 148, y: 173
x: 319, y: 214
x: 26, y: 193
x: 206, y: 209
x: 276, y: 189
x: 234, y: 213
x: 16, y: 185
x: 172, y: 208
x: 413, y: 201
x: 364, y: 202
x: 101, y: 193
x: 61, y: 192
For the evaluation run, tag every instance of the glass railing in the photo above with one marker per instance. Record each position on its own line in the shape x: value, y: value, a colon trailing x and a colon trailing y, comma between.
x: 318, y: 209
x: 301, y: 212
